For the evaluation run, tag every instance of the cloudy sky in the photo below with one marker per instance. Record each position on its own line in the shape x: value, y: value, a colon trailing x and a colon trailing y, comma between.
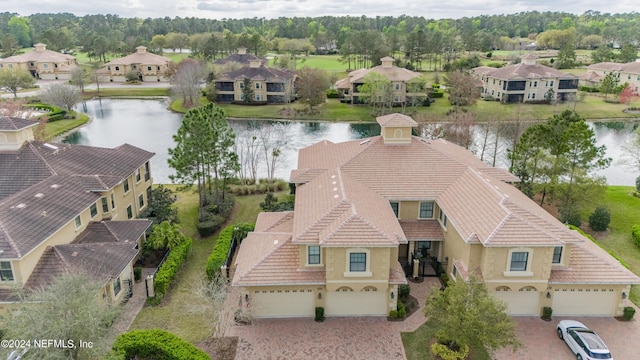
x: 220, y: 9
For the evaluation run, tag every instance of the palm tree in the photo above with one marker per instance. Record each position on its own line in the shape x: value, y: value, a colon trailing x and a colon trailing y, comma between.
x: 165, y: 236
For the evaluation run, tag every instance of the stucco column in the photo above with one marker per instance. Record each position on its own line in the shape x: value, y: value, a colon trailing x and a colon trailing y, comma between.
x: 416, y: 268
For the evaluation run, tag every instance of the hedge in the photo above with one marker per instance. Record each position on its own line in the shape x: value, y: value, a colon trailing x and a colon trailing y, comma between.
x: 170, y: 267
x: 635, y: 234
x: 156, y: 344
x: 54, y: 113
x: 622, y: 262
x: 223, y: 244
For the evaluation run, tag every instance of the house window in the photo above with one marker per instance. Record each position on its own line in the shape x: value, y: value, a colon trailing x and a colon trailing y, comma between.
x: 117, y: 68
x: 557, y: 255
x: 109, y: 68
x: 32, y: 64
x: 357, y: 261
x: 94, y: 210
x: 105, y: 205
x: 258, y: 97
x: 396, y: 98
x: 398, y: 86
x: 45, y: 66
x: 241, y: 85
x: 141, y: 200
x: 116, y: 286
x: 78, y: 221
x: 133, y: 66
x: 129, y: 212
x: 551, y: 82
x: 138, y: 175
x: 454, y: 272
x: 395, y: 206
x: 426, y: 210
x: 147, y: 171
x: 126, y: 186
x: 314, y: 255
x: 113, y: 202
x: 443, y: 218
x: 148, y: 68
x: 422, y: 247
x: 6, y: 272
x: 258, y: 85
x: 533, y: 96
x: 519, y: 261
x: 535, y: 84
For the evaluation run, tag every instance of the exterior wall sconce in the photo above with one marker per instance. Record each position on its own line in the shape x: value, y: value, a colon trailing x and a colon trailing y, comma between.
x: 548, y: 295
x: 392, y: 295
x: 319, y: 296
x: 246, y: 297
x: 624, y: 295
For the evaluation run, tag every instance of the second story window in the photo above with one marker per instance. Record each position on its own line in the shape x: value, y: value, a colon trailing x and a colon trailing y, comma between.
x: 126, y: 186
x: 94, y: 210
x: 105, y: 205
x: 519, y: 260
x: 6, y: 272
x: 557, y: 255
x: 314, y: 255
x: 395, y: 206
x: 138, y: 175
x: 147, y: 171
x: 78, y: 221
x: 358, y: 261
x: 426, y: 210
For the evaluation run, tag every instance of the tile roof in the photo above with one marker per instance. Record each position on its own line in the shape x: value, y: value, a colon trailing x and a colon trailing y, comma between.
x: 21, y: 169
x: 524, y: 71
x: 607, y: 66
x: 396, y: 120
x: 128, y: 231
x: 39, y: 56
x: 422, y: 230
x: 274, y: 222
x: 393, y: 73
x: 13, y: 123
x: 590, y: 264
x: 140, y: 57
x: 271, y: 259
x: 101, y: 261
x: 261, y: 73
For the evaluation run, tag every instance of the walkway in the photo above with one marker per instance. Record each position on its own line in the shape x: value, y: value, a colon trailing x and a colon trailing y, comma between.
x: 370, y: 338
x: 133, y: 305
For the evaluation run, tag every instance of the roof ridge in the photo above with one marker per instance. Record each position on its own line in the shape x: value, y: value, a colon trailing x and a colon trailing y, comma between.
x: 286, y: 217
x: 322, y: 218
x: 37, y: 153
x: 9, y: 239
x: 106, y: 225
x: 268, y: 254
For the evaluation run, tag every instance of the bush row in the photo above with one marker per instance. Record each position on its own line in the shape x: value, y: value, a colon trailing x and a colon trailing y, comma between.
x: 54, y: 113
x: 222, y: 246
x: 635, y: 234
x: 622, y: 262
x: 260, y: 188
x: 170, y: 267
x: 156, y: 344
x: 215, y: 213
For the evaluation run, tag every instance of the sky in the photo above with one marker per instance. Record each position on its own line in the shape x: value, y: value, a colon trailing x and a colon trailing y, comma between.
x: 237, y: 9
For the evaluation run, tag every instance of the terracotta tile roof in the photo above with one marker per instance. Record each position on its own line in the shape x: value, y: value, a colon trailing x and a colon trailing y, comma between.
x: 590, y: 264
x: 606, y: 66
x: 128, y: 231
x: 101, y: 261
x: 393, y: 73
x: 301, y: 176
x: 21, y: 169
x: 14, y: 123
x: 38, y: 56
x: 396, y: 120
x: 142, y: 58
x: 281, y: 222
x: 464, y: 272
x: 271, y: 259
x: 423, y: 230
x: 524, y: 71
x: 396, y: 274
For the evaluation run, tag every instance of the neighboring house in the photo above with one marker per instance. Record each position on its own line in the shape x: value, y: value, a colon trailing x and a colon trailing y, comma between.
x: 366, y: 210
x: 348, y: 88
x: 527, y: 82
x: 628, y: 73
x: 270, y: 86
x: 42, y: 63
x: 240, y: 57
x: 65, y: 208
x: 148, y: 66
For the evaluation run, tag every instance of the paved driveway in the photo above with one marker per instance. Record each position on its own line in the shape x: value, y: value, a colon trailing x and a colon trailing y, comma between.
x: 541, y: 341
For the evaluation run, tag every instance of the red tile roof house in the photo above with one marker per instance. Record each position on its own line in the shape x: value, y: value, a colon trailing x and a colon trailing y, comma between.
x: 364, y: 208
x: 149, y: 66
x: 42, y: 63
x: 628, y: 73
x: 65, y: 208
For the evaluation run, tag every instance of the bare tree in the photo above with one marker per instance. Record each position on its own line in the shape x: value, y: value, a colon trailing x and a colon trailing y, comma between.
x: 189, y: 75
x: 312, y: 87
x: 463, y: 88
x: 15, y: 108
x: 64, y: 96
x: 247, y: 147
x: 459, y: 129
x: 78, y: 77
x: 212, y: 297
x: 273, y: 139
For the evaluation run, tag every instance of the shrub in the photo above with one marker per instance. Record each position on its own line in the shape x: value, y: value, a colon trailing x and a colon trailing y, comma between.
x: 600, y: 219
x: 54, y: 113
x: 635, y: 234
x: 570, y: 216
x: 332, y: 94
x: 402, y: 310
x: 319, y: 314
x: 443, y: 352
x: 156, y: 344
x: 546, y: 313
x: 210, y: 225
x: 137, y: 273
x: 222, y: 246
x: 393, y: 314
x: 132, y: 76
x: 628, y: 313
x: 403, y: 292
x: 444, y: 278
x: 170, y: 267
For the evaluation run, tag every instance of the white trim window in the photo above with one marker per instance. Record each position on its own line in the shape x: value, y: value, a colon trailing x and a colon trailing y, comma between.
x: 519, y: 262
x: 426, y: 210
x: 395, y: 206
x: 78, y: 221
x: 557, y: 255
x: 313, y: 255
x: 6, y: 271
x: 358, y: 263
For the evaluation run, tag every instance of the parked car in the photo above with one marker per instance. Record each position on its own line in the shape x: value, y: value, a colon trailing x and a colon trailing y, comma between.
x: 584, y: 343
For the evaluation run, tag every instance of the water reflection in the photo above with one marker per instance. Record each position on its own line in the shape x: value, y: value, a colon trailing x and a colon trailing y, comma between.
x: 149, y: 125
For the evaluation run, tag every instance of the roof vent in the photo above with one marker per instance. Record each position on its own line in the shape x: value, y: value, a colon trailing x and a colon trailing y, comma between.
x: 52, y: 147
x: 39, y: 195
x: 55, y: 186
x: 21, y: 206
x: 275, y: 242
x: 74, y: 254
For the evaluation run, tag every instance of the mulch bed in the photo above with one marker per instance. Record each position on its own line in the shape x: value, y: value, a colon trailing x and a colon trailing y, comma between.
x: 220, y: 348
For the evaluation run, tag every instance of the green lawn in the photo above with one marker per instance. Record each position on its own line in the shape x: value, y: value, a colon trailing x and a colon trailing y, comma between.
x: 182, y: 312
x: 57, y: 128
x: 134, y: 90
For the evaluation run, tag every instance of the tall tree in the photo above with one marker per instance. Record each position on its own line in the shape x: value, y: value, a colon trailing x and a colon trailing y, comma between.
x: 248, y: 94
x: 71, y: 308
x: 377, y: 91
x: 466, y: 315
x: 628, y: 53
x: 61, y: 95
x: 203, y: 151
x: 15, y: 79
x: 464, y: 89
x: 608, y: 84
x: 19, y: 29
x: 312, y: 86
x: 189, y: 74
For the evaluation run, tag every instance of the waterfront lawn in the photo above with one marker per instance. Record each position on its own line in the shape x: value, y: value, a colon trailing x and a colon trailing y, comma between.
x: 56, y: 128
x: 126, y: 91
x: 181, y: 312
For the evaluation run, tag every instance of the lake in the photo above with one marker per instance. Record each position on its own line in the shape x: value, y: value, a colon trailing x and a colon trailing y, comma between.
x: 149, y: 125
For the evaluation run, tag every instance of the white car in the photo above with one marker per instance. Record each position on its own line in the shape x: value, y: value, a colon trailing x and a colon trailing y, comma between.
x: 585, y: 343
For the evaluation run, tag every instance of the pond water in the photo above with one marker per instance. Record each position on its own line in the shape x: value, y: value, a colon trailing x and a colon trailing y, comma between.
x: 149, y: 125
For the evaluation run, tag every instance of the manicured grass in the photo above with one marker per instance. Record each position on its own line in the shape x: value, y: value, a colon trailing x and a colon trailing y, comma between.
x: 417, y: 344
x: 176, y: 56
x: 625, y: 212
x: 57, y: 128
x: 127, y: 91
x: 182, y: 312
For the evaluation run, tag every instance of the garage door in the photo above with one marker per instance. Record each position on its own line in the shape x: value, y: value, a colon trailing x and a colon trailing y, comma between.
x: 282, y: 303
x: 525, y: 301
x: 595, y: 302
x: 348, y: 303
